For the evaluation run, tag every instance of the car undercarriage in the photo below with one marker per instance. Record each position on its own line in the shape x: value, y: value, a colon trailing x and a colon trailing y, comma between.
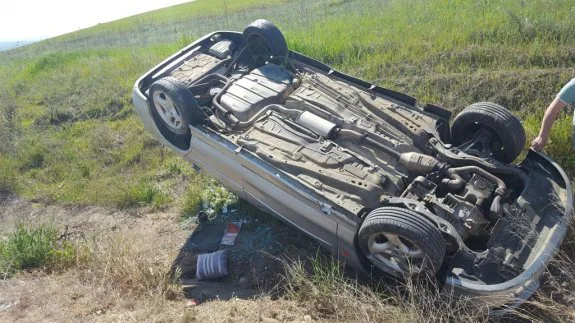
x: 379, y: 180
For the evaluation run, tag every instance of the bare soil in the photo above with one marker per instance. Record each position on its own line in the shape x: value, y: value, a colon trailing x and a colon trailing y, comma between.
x: 138, y: 239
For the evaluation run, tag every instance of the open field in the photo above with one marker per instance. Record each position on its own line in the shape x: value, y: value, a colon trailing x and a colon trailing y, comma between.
x: 68, y: 134
x: 69, y: 131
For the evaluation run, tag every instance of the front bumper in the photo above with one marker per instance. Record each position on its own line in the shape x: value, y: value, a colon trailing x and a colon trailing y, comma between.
x: 510, y: 294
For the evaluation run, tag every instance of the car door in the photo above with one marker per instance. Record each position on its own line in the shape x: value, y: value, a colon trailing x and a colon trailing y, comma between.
x: 269, y: 189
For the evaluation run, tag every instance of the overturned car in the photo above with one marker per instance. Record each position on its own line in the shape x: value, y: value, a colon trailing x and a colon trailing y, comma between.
x: 384, y: 183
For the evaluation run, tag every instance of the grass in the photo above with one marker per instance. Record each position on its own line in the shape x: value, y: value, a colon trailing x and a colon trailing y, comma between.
x: 555, y: 300
x: 322, y: 286
x: 87, y: 273
x: 102, y: 257
x: 68, y: 133
x: 180, y: 13
x: 118, y: 265
x: 37, y: 248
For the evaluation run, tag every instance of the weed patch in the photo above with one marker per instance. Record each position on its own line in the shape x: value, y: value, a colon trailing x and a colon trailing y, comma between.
x: 36, y: 248
x: 143, y: 195
x: 119, y: 265
x: 192, y: 201
x: 8, y: 176
x: 206, y: 194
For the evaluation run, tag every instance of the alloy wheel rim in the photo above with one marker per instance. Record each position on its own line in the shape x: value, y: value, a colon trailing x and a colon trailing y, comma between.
x: 397, y: 253
x: 167, y: 110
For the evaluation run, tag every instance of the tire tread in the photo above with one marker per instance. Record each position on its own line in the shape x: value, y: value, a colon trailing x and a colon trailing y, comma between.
x: 499, y: 119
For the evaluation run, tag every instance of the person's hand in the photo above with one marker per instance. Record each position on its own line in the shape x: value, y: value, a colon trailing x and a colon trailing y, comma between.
x: 538, y: 143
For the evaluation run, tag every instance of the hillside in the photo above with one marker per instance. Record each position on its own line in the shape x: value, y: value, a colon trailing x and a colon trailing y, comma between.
x: 69, y: 136
x: 14, y: 44
x: 66, y: 105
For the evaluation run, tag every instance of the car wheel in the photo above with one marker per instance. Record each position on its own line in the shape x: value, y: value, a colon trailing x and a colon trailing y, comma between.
x: 175, y: 105
x: 489, y: 129
x: 401, y: 242
x: 263, y: 37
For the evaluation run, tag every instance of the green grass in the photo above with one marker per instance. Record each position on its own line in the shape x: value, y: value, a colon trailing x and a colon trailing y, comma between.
x: 36, y: 248
x: 68, y: 132
x: 205, y: 193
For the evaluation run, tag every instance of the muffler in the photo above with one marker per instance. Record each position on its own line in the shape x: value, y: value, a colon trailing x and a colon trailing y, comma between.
x: 318, y: 125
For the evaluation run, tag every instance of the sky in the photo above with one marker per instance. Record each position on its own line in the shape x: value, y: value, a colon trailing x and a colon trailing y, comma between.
x: 38, y: 19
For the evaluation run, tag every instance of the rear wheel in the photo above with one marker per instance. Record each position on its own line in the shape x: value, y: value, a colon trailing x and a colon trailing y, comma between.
x: 489, y: 130
x: 262, y: 37
x: 401, y: 242
x: 174, y: 105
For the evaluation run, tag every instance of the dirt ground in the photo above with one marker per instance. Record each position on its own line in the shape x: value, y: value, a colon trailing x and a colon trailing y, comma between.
x: 143, y: 242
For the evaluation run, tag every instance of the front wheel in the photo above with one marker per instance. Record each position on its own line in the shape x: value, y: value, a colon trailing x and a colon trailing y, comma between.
x: 490, y: 130
x: 401, y: 242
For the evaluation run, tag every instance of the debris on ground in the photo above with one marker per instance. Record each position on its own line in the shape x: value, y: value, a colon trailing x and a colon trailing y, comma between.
x: 6, y: 305
x: 231, y: 233
x: 212, y: 265
x: 202, y: 217
x: 255, y: 244
x: 192, y: 302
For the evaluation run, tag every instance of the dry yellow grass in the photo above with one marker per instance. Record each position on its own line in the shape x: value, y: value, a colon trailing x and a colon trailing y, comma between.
x: 322, y: 287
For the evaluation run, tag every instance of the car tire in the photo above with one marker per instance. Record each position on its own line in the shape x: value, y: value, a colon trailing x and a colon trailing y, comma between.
x: 174, y: 105
x: 262, y: 35
x: 401, y: 242
x: 509, y: 139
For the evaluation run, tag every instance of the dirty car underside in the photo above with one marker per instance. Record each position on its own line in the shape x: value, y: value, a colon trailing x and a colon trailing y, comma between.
x: 378, y: 179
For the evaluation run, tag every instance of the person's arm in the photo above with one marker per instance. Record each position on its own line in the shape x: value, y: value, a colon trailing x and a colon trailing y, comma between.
x: 565, y: 96
x: 548, y: 119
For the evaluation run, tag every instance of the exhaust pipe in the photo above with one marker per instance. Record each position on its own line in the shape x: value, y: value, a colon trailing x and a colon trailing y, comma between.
x: 424, y: 164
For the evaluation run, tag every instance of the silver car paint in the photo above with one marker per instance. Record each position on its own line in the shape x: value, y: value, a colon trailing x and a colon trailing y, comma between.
x: 279, y: 195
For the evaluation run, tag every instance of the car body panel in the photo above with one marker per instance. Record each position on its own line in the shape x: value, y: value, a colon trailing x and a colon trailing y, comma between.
x: 270, y: 189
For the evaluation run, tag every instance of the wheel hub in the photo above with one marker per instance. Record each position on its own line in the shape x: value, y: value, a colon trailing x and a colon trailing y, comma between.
x: 482, y: 143
x: 397, y: 253
x: 258, y: 46
x: 167, y: 110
